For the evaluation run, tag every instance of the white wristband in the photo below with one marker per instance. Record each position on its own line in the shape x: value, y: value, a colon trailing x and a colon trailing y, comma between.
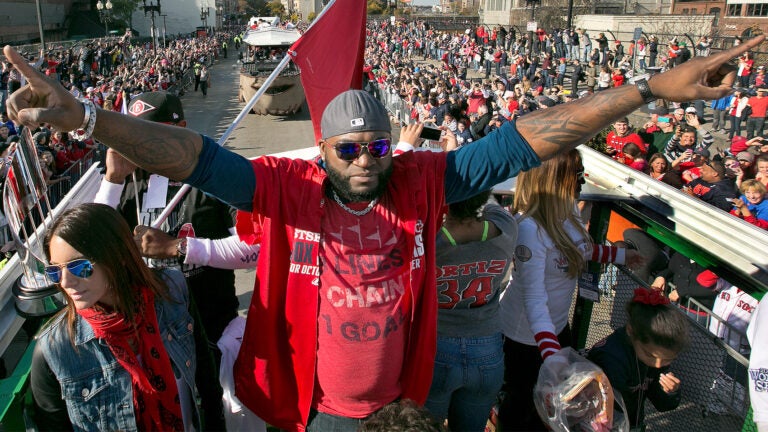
x: 89, y: 122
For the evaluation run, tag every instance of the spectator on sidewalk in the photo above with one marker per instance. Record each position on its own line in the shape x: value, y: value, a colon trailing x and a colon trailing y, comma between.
x: 679, y: 150
x: 720, y: 112
x: 660, y: 133
x: 736, y: 112
x: 759, y: 106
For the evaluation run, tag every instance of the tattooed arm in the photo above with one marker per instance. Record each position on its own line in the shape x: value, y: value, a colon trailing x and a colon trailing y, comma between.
x: 159, y: 148
x: 565, y: 126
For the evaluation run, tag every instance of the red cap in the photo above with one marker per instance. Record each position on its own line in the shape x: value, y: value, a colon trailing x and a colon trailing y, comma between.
x: 707, y: 279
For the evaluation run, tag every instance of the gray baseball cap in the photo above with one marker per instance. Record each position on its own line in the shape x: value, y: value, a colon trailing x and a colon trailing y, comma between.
x: 354, y: 111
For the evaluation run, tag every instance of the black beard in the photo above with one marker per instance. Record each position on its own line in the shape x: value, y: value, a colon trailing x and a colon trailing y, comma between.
x: 342, y: 188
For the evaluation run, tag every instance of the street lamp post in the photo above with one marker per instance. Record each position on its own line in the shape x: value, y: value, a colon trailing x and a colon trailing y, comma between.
x: 39, y: 8
x: 152, y: 8
x: 204, y: 12
x: 220, y: 17
x: 164, y: 28
x: 105, y: 14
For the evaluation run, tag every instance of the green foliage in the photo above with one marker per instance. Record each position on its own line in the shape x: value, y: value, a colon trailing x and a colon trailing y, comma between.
x: 311, y: 17
x: 253, y: 7
x: 276, y: 8
x: 598, y: 141
x: 377, y: 7
x: 123, y: 9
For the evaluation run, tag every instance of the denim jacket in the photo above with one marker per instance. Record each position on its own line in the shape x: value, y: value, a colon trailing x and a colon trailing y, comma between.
x: 95, y: 387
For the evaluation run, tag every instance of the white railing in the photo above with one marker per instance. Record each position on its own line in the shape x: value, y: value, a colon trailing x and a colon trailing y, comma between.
x: 10, y: 321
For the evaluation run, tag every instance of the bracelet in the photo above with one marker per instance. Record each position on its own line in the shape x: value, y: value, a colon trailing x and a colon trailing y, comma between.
x: 645, y: 90
x: 89, y: 122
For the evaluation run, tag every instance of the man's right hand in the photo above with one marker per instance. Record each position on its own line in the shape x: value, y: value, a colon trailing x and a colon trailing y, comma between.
x: 42, y: 100
x: 118, y: 167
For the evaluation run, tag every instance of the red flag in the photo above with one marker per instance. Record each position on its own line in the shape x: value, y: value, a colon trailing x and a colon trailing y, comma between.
x: 330, y: 55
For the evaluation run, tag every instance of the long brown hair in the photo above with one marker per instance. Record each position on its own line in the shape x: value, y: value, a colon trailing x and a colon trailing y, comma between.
x: 101, y: 234
x: 547, y: 194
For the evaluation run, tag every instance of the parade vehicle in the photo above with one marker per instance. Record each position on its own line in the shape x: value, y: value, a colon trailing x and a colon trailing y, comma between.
x: 267, y: 43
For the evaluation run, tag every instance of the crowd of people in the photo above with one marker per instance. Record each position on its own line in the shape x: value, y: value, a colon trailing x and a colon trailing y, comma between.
x: 429, y: 71
x: 520, y: 76
x: 365, y: 227
x: 109, y: 72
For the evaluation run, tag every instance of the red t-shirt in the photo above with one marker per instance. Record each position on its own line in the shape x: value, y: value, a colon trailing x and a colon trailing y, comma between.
x: 364, y: 311
x: 759, y: 106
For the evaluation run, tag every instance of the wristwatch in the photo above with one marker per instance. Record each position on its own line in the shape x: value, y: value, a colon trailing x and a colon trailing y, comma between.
x: 181, y: 247
x: 645, y: 90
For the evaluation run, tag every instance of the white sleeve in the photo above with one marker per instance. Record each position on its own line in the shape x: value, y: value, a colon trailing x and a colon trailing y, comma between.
x: 530, y: 263
x: 226, y: 253
x: 109, y: 194
x: 402, y: 147
x: 757, y: 333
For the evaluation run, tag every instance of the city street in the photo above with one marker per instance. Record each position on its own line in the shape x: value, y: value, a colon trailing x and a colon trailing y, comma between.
x: 255, y: 136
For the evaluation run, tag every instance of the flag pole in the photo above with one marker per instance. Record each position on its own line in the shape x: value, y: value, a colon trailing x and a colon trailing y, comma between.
x: 246, y: 109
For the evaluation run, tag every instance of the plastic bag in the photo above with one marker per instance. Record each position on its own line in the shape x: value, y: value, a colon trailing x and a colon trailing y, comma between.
x: 573, y: 394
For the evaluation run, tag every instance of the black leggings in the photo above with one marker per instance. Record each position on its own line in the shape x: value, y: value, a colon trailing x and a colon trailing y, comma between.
x: 521, y: 370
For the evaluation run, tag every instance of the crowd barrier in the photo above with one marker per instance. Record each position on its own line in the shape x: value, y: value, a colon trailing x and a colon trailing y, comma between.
x: 57, y: 191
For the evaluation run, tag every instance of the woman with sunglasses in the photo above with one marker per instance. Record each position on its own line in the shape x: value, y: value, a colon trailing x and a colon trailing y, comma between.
x: 121, y: 355
x: 551, y: 252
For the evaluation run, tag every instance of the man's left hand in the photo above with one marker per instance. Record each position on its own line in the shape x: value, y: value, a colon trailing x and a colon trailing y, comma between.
x: 154, y: 243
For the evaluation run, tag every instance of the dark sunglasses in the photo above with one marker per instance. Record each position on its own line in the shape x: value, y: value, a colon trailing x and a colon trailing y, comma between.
x: 349, y: 151
x: 81, y: 268
x: 580, y: 175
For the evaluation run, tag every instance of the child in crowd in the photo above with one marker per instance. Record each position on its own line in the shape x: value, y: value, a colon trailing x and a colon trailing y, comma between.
x: 636, y: 357
x: 761, y: 164
x: 634, y: 157
x: 752, y: 206
x: 463, y: 136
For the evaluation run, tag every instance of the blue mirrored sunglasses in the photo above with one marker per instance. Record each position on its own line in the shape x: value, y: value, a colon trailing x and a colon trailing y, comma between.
x: 81, y: 268
x: 349, y: 151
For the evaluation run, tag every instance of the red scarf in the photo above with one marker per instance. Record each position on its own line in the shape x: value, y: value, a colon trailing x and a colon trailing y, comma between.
x: 155, y: 395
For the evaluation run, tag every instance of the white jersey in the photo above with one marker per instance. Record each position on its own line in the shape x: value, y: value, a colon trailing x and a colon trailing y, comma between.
x: 735, y: 308
x: 758, y: 367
